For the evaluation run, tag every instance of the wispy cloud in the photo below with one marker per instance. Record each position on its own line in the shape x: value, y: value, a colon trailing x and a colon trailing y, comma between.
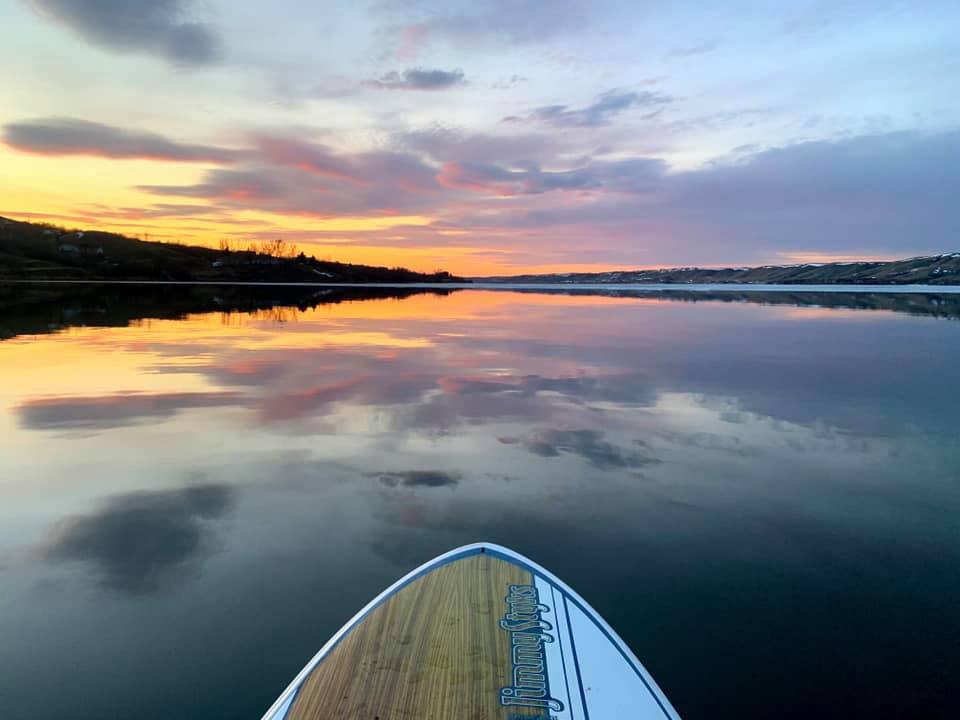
x: 509, y: 82
x: 444, y: 144
x: 691, y: 50
x: 419, y: 79
x: 292, y: 176
x: 601, y: 112
x: 463, y: 23
x: 635, y: 175
x: 744, y: 116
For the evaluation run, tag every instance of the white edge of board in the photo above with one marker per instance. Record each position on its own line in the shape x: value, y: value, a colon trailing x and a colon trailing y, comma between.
x: 466, y: 550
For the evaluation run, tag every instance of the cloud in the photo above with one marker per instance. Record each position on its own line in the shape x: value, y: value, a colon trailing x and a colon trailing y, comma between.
x: 71, y: 136
x: 297, y: 177
x: 509, y: 82
x: 419, y: 478
x: 462, y: 23
x: 496, y: 180
x: 889, y: 193
x: 875, y: 193
x: 419, y: 79
x: 530, y: 398
x: 140, y: 542
x: 445, y: 144
x: 588, y: 444
x: 691, y: 50
x: 861, y: 176
x: 356, y: 389
x: 157, y: 210
x: 286, y: 174
x: 159, y: 27
x: 623, y: 388
x: 111, y: 411
x: 362, y: 168
x: 821, y: 15
x: 631, y: 176
x: 411, y: 40
x: 293, y: 191
x: 745, y: 117
x: 599, y: 113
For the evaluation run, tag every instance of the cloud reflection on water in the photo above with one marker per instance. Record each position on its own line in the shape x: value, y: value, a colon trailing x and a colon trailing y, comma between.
x: 419, y: 478
x: 588, y: 444
x: 111, y: 411
x: 139, y: 543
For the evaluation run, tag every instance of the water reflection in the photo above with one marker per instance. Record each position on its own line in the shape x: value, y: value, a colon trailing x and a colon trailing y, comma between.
x: 931, y: 304
x: 419, y: 478
x: 38, y: 308
x: 750, y: 492
x: 35, y: 308
x: 111, y: 411
x: 588, y: 444
x: 139, y: 542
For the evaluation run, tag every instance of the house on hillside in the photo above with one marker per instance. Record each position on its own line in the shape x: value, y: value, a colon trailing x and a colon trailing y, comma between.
x: 86, y: 250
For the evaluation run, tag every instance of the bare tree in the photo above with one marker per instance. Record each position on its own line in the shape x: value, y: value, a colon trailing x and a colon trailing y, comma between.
x: 278, y: 248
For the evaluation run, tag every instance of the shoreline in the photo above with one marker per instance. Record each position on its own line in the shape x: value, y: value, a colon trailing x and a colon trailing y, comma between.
x: 608, y: 287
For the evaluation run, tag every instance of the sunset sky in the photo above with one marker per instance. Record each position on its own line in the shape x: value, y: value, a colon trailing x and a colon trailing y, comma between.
x: 494, y: 136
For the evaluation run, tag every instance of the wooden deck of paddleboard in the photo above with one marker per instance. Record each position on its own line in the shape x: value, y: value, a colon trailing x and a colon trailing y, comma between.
x: 432, y: 651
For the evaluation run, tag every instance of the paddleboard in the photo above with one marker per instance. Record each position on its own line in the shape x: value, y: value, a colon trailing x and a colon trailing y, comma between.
x: 478, y: 633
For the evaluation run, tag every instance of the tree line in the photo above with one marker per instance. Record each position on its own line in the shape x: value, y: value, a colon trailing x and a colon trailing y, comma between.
x: 277, y: 248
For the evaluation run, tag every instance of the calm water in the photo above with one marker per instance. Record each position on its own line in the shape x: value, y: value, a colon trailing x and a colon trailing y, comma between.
x: 762, y: 498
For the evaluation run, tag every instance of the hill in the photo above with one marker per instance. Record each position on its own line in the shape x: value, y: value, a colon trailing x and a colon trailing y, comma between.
x: 32, y: 251
x: 932, y: 270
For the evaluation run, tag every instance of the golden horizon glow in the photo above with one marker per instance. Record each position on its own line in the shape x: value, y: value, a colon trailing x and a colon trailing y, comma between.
x: 96, y: 193
x: 333, y: 240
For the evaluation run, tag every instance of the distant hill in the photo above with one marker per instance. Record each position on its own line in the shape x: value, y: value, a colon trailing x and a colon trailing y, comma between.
x: 932, y: 270
x: 32, y: 251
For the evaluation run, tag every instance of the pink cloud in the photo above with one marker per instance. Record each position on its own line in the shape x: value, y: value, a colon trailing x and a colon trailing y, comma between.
x: 413, y: 38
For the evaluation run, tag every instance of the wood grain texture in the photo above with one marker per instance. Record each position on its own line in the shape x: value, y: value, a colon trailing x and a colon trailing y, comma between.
x: 433, y: 651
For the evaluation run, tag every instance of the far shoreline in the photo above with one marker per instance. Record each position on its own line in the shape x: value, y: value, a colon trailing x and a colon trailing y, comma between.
x: 567, y: 287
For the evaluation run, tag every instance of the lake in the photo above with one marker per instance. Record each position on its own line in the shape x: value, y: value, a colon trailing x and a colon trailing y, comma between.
x: 198, y: 486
